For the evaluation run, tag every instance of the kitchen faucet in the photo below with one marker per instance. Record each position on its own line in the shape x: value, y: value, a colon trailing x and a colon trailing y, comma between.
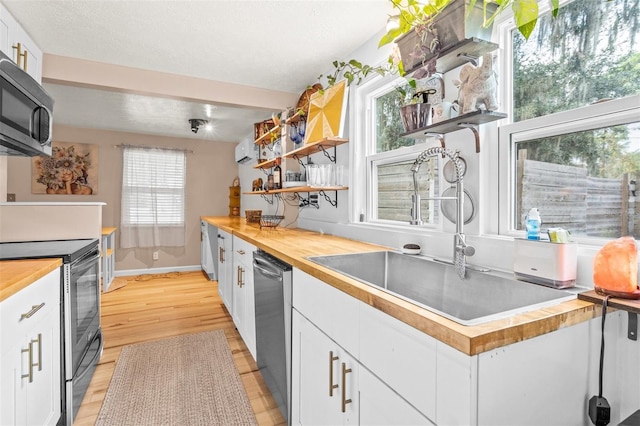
x: 460, y: 248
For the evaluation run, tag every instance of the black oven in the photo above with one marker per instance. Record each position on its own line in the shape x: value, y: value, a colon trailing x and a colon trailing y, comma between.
x: 80, y: 319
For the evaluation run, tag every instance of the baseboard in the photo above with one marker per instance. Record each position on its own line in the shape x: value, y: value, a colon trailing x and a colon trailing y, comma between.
x: 133, y: 272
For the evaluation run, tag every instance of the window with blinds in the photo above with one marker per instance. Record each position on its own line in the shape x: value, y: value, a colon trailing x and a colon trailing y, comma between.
x: 153, y: 197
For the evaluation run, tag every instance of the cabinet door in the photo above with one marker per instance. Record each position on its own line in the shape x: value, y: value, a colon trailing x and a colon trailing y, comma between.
x: 403, y: 357
x: 243, y: 297
x: 11, y: 33
x: 43, y: 394
x: 7, y: 28
x: 380, y: 405
x: 225, y: 268
x: 31, y: 60
x: 318, y: 379
x: 30, y: 375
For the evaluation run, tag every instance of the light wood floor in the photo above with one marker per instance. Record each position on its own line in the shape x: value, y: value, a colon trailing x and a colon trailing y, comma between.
x: 157, y: 307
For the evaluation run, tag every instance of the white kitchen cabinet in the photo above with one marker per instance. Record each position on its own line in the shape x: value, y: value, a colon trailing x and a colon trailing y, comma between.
x: 243, y: 312
x: 30, y: 376
x: 334, y: 312
x: 543, y: 380
x: 19, y: 46
x: 324, y: 378
x: 391, y: 363
x: 381, y: 405
x: 403, y: 357
x: 225, y: 269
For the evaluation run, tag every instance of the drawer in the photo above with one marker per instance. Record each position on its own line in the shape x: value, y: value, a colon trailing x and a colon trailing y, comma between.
x: 243, y: 251
x: 45, y: 290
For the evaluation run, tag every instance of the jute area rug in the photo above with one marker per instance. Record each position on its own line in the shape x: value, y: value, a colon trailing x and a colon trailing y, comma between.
x: 182, y: 380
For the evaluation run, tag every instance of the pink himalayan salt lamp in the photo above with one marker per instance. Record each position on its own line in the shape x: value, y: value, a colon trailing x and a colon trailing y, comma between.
x: 615, y: 269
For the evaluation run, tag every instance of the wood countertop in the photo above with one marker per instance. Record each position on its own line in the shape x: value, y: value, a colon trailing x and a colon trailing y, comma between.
x: 294, y: 245
x: 18, y: 274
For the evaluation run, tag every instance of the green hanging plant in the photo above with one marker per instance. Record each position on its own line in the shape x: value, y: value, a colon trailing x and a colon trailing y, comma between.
x: 416, y: 14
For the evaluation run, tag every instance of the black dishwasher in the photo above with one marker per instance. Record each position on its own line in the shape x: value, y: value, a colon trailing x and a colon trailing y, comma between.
x: 272, y: 287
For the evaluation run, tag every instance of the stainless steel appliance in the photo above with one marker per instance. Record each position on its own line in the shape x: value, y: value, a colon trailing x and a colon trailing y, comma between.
x: 272, y: 289
x: 209, y: 249
x: 25, y: 112
x: 80, y: 318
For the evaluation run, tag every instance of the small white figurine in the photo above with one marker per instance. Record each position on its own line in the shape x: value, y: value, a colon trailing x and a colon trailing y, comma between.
x: 478, y: 86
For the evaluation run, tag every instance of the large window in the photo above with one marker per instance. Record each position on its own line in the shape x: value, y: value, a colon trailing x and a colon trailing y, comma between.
x: 389, y: 157
x: 574, y: 148
x: 153, y: 197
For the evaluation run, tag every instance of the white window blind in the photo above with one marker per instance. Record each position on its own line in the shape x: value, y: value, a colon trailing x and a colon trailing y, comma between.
x: 153, y: 197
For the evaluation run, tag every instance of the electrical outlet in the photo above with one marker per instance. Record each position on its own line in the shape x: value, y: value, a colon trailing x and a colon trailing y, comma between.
x: 11, y: 197
x: 155, y: 255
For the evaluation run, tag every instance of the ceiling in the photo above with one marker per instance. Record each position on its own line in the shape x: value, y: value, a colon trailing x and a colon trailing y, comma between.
x: 269, y: 44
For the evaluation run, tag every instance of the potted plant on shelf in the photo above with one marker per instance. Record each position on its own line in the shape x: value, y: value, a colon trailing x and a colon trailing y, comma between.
x: 422, y: 29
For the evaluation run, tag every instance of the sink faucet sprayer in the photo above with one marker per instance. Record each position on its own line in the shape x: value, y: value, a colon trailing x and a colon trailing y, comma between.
x: 460, y: 248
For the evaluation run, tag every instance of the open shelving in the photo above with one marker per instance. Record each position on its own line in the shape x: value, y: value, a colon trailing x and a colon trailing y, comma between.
x: 468, y: 50
x: 466, y: 121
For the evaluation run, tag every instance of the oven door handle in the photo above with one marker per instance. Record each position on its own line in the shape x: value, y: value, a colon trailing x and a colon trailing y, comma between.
x: 86, y: 260
x: 93, y: 360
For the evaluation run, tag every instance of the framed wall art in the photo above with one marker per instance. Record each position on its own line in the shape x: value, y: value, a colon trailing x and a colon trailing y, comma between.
x: 327, y: 111
x: 72, y: 169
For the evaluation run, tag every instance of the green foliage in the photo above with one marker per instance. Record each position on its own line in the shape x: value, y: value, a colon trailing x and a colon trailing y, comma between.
x: 571, y: 62
x: 413, y: 14
x: 353, y: 70
x: 416, y: 14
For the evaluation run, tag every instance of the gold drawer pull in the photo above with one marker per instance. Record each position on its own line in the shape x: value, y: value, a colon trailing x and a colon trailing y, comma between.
x: 240, y: 251
x: 34, y: 309
x: 345, y: 401
x: 331, y: 385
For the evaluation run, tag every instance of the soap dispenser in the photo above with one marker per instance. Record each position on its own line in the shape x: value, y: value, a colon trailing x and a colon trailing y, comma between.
x: 532, y: 224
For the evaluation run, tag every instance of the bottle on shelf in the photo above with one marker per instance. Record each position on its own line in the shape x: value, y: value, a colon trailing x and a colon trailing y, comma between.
x: 277, y: 175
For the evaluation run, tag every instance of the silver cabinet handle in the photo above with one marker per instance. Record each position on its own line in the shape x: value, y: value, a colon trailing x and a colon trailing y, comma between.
x: 345, y: 401
x: 39, y: 342
x: 32, y: 364
x: 332, y: 386
x: 29, y: 350
x: 34, y: 309
x: 240, y: 279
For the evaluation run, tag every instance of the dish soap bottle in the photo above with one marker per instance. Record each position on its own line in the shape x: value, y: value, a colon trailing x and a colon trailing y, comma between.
x: 532, y: 224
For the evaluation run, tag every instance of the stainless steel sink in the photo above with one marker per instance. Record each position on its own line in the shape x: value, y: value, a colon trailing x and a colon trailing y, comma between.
x: 479, y: 298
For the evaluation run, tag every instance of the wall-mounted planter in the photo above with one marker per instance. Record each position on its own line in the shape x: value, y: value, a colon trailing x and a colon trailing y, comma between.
x: 453, y: 27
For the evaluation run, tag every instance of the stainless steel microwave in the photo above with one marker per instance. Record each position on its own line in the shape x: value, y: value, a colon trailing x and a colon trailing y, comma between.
x: 25, y: 113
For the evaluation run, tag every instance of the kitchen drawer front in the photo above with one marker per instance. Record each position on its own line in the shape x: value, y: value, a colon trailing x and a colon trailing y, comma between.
x: 331, y: 310
x: 401, y: 356
x: 243, y: 251
x: 45, y: 290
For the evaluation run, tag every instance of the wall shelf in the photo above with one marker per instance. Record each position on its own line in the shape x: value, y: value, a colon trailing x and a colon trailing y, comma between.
x: 266, y: 138
x: 298, y: 189
x: 470, y: 120
x: 266, y: 164
x: 468, y: 50
x: 315, y: 147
